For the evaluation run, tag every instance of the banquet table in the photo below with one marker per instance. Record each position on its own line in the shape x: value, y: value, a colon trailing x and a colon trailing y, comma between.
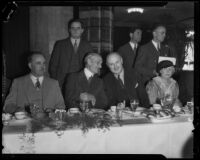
x: 172, y: 139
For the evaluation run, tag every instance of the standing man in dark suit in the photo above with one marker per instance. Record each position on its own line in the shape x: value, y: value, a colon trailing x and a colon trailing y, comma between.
x: 34, y: 88
x: 149, y: 53
x: 122, y: 83
x: 86, y: 85
x: 67, y: 56
x: 129, y: 50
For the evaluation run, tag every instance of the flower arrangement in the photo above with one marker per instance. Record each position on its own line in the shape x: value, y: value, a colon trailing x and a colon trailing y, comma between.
x: 84, y: 121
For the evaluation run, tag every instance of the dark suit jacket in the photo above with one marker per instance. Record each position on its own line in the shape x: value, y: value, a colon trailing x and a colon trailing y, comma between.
x: 59, y: 64
x: 147, y: 60
x: 113, y: 88
x: 77, y: 83
x: 128, y: 55
x: 20, y: 93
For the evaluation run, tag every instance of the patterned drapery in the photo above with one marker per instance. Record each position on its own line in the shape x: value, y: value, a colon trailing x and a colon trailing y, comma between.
x: 98, y: 22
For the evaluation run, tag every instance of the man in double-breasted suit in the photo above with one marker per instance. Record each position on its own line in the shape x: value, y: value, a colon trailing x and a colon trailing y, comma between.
x: 86, y: 84
x: 34, y: 88
x: 123, y: 83
x: 68, y: 54
x: 129, y: 50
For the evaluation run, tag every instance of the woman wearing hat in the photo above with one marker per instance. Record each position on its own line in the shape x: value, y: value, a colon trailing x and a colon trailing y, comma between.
x: 164, y: 87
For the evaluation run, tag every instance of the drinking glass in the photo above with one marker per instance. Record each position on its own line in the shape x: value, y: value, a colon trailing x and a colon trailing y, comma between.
x: 134, y: 103
x: 190, y: 106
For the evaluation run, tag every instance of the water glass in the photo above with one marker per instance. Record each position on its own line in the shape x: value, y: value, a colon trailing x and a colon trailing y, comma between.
x: 134, y: 103
x: 190, y: 106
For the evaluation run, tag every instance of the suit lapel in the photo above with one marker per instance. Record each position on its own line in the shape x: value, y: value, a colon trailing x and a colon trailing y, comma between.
x: 83, y: 81
x: 154, y: 50
x: 28, y: 84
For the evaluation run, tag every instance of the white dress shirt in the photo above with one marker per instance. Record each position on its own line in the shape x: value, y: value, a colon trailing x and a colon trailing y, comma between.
x: 77, y: 41
x: 156, y: 44
x: 34, y: 79
x: 133, y: 45
x: 88, y: 73
x: 121, y: 75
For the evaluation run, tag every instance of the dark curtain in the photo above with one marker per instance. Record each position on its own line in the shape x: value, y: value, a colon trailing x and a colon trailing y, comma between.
x: 15, y: 43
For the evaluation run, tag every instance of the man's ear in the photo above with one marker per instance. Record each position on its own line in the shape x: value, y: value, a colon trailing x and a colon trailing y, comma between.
x: 130, y: 35
x: 154, y: 33
x: 29, y: 65
x: 82, y: 31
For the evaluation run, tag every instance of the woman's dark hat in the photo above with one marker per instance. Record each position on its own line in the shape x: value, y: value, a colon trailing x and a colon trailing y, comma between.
x: 164, y: 64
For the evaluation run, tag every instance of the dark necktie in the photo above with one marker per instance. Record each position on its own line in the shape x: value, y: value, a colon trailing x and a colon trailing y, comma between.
x: 75, y: 46
x: 37, y: 84
x: 158, y: 47
x: 120, y: 81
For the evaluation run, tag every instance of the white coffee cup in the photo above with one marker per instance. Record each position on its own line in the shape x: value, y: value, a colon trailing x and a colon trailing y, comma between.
x: 20, y: 115
x: 157, y: 106
x: 73, y: 110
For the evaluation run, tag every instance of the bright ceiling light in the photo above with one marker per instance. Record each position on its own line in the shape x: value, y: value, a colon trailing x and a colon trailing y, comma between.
x: 130, y: 10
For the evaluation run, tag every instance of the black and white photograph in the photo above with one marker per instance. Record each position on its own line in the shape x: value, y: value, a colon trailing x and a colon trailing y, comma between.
x: 100, y: 78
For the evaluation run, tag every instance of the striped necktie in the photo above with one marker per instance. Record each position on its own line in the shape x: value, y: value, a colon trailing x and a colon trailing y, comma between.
x: 75, y: 46
x: 37, y: 84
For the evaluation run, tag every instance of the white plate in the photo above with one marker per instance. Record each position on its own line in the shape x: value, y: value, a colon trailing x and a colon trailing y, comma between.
x: 93, y: 110
x: 19, y: 122
x: 161, y: 119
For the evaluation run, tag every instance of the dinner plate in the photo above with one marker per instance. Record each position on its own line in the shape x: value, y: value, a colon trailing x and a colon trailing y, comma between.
x: 93, y: 110
x: 161, y: 119
x: 19, y: 121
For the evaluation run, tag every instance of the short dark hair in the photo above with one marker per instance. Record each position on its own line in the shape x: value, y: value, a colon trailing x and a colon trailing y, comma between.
x: 132, y: 29
x: 75, y: 20
x: 156, y: 25
x: 32, y: 53
x: 164, y: 64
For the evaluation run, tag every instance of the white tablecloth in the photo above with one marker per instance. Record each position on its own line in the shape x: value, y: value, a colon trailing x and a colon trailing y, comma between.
x: 169, y: 139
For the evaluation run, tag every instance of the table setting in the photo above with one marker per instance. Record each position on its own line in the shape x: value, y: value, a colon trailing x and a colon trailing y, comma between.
x: 80, y: 129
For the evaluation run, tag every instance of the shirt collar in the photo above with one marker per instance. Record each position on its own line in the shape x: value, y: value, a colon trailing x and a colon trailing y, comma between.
x: 73, y: 40
x: 121, y: 75
x: 155, y: 44
x: 133, y: 45
x: 34, y: 78
x: 88, y: 73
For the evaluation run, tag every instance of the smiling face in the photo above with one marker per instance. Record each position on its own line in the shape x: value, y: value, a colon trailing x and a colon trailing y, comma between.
x: 115, y: 63
x: 167, y: 72
x: 37, y: 65
x: 94, y: 64
x: 76, y: 30
x: 159, y: 34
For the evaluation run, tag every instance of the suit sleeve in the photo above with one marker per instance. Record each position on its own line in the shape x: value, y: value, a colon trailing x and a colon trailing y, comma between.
x: 111, y: 100
x: 71, y: 93
x: 140, y: 63
x: 58, y: 97
x: 11, y: 99
x: 101, y: 97
x: 54, y: 61
x: 121, y: 52
x: 152, y: 91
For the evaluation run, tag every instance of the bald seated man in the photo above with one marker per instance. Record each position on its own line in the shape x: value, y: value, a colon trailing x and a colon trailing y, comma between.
x: 123, y: 83
x: 34, y: 88
x: 86, y: 85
